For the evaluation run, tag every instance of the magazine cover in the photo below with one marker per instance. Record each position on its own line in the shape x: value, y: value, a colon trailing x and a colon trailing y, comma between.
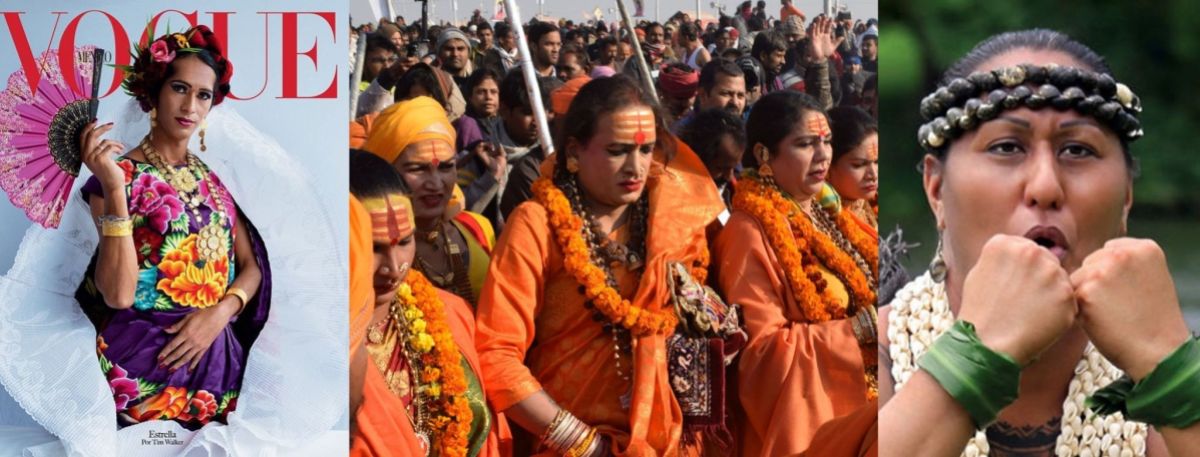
x: 173, y: 240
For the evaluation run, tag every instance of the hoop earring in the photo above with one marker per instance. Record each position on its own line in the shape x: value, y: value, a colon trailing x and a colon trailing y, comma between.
x: 937, y: 266
x: 203, y: 125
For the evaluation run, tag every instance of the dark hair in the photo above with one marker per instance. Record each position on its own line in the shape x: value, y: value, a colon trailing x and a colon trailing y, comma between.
x: 850, y: 125
x: 709, y: 72
x: 703, y: 134
x: 768, y: 42
x: 540, y: 29
x: 772, y: 118
x: 604, y: 96
x: 572, y: 48
x: 606, y: 42
x: 1038, y: 40
x: 482, y: 26
x: 147, y: 75
x: 377, y: 41
x: 421, y: 75
x: 1035, y: 39
x: 478, y: 77
x: 689, y: 31
x: 371, y: 176
x: 503, y: 29
x: 514, y: 96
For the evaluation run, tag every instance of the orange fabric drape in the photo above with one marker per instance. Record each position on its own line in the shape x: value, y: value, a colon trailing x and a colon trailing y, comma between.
x: 360, y: 128
x: 382, y: 426
x: 793, y: 376
x: 853, y: 435
x: 529, y: 296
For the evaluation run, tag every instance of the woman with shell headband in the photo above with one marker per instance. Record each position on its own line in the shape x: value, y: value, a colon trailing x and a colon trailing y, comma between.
x: 177, y: 288
x: 1040, y: 328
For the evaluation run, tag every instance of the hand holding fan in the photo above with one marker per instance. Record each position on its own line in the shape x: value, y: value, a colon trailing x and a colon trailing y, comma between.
x: 39, y: 134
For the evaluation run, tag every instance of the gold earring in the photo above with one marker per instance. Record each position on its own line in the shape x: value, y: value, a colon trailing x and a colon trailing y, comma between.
x: 572, y: 165
x: 153, y: 121
x: 764, y: 167
x: 203, y: 125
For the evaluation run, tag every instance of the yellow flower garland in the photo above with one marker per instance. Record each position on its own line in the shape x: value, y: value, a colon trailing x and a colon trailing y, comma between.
x: 442, y: 377
x: 568, y: 232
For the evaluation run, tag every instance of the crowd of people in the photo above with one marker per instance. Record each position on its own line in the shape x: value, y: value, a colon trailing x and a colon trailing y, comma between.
x: 689, y: 268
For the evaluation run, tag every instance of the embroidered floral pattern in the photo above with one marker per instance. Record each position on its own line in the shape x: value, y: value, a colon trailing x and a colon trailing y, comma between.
x: 155, y: 201
x: 190, y: 281
x: 172, y: 275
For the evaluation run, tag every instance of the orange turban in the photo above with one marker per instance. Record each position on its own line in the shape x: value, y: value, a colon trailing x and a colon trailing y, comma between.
x: 409, y: 122
x: 560, y: 99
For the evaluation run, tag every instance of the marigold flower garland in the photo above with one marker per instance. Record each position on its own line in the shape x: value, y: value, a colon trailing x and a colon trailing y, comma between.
x: 799, y: 246
x: 443, y: 383
x: 577, y: 260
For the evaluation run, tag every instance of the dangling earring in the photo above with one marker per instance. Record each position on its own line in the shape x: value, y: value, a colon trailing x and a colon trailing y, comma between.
x: 937, y: 266
x: 572, y: 165
x: 153, y: 121
x: 203, y: 125
x: 764, y: 167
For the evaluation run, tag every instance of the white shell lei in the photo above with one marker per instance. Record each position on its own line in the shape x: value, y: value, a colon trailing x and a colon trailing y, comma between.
x: 920, y: 313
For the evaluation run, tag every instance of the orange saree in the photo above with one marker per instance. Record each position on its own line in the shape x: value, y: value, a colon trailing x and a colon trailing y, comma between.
x: 534, y: 332
x: 793, y: 376
x: 381, y: 424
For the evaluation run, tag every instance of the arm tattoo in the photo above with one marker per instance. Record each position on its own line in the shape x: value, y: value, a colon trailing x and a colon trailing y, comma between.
x: 1007, y: 440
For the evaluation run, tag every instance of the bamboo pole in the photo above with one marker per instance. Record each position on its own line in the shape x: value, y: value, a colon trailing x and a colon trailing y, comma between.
x: 356, y: 77
x: 637, y: 51
x: 531, y: 84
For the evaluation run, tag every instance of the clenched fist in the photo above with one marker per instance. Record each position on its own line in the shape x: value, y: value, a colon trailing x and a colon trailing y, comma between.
x: 1128, y: 306
x: 1019, y: 297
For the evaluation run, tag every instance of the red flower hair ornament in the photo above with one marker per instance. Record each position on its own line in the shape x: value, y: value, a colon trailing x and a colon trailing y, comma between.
x: 150, y: 63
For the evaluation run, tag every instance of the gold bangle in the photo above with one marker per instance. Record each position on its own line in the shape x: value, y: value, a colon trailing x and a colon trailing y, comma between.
x: 241, y: 295
x: 582, y: 446
x: 116, y: 226
x: 558, y: 418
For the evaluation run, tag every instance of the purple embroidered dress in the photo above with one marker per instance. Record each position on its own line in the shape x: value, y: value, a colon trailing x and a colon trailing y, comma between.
x: 174, y: 280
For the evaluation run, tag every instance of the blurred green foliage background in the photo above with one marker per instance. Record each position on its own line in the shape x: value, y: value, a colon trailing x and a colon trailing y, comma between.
x: 1153, y: 46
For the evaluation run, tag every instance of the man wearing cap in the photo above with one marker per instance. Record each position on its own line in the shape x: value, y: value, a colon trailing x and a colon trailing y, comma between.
x: 677, y: 86
x: 853, y: 80
x: 870, y: 52
x: 454, y: 55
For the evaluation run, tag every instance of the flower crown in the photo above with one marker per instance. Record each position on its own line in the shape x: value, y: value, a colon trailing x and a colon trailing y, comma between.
x: 150, y: 63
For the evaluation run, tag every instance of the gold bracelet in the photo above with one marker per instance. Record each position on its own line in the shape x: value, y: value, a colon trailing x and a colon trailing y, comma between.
x: 241, y: 295
x: 582, y: 446
x: 558, y: 418
x: 114, y: 226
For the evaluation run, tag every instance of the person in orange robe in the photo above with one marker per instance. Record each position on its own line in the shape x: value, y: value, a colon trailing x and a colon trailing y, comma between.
x: 795, y: 373
x: 381, y: 252
x: 543, y: 351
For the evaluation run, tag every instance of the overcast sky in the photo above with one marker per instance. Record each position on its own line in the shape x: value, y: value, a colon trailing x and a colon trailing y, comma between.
x: 574, y: 9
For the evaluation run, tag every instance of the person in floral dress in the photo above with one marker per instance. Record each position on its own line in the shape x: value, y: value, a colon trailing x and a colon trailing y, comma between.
x: 179, y: 286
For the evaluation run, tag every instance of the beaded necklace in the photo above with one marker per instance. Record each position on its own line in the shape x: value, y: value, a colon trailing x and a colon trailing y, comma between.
x: 213, y: 238
x: 921, y: 312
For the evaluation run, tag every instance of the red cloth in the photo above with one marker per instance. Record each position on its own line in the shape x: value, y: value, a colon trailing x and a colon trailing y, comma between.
x: 676, y: 83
